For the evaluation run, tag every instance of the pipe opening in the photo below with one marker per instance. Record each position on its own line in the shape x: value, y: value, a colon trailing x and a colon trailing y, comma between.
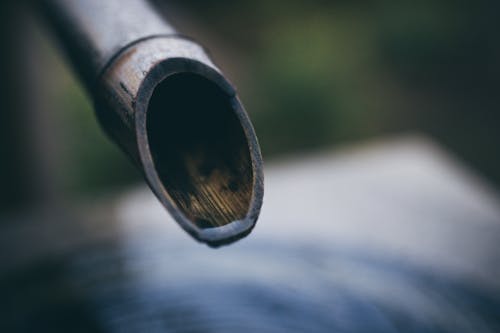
x: 200, y: 150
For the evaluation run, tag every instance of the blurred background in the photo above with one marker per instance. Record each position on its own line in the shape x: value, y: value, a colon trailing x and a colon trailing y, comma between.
x: 312, y: 74
x: 318, y: 78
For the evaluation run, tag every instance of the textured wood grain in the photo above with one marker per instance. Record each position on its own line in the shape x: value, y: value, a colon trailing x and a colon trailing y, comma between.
x: 206, y: 168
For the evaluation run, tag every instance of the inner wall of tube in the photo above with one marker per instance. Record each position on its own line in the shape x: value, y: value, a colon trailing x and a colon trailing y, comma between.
x: 199, y: 150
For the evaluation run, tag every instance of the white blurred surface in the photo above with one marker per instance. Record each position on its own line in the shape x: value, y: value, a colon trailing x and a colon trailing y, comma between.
x: 394, y: 236
x: 403, y: 198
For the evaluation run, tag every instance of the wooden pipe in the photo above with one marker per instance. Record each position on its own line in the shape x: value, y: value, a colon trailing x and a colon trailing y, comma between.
x: 162, y: 100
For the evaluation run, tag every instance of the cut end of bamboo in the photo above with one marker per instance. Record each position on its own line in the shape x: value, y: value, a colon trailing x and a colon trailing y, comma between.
x: 200, y: 151
x: 192, y: 138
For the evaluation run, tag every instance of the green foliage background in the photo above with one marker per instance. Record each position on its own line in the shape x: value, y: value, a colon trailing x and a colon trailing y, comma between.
x: 314, y: 74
